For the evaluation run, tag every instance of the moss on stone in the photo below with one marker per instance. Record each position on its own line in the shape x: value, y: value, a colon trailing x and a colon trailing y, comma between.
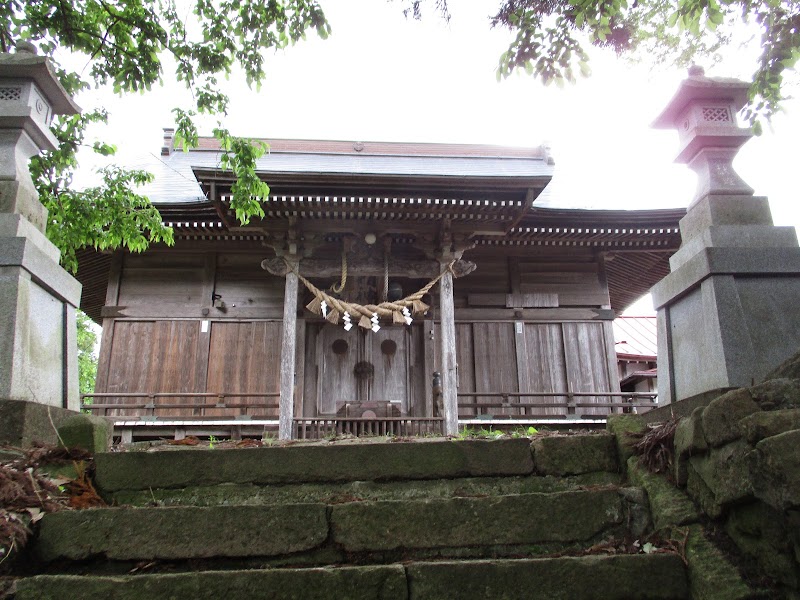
x: 638, y: 511
x: 622, y: 577
x: 774, y: 468
x: 698, y: 491
x: 726, y: 473
x: 354, y: 583
x: 181, y: 532
x: 295, y: 464
x: 575, y: 454
x: 777, y: 394
x: 621, y: 426
x: 721, y: 417
x: 760, y: 532
x: 762, y: 425
x: 356, y: 491
x: 711, y: 575
x: 459, y: 522
x: 23, y: 423
x: 669, y: 506
x: 689, y: 440
x: 86, y: 432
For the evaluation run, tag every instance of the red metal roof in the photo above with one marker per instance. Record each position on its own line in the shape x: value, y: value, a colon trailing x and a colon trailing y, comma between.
x: 635, y: 337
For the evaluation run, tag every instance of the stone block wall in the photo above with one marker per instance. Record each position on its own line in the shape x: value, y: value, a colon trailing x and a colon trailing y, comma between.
x: 739, y: 460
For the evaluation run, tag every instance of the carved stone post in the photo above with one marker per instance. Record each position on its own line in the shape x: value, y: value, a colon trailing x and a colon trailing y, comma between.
x: 729, y: 310
x: 38, y: 347
x: 288, y: 346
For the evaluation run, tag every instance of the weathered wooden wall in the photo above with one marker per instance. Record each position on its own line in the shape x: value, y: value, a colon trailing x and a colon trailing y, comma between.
x: 527, y: 320
x: 163, y: 333
x: 535, y: 320
x: 396, y: 353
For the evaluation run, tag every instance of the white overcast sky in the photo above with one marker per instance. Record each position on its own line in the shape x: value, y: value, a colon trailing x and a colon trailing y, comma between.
x: 381, y: 77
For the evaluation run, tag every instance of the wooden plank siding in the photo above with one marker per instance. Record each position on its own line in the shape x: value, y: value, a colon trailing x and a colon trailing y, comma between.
x: 335, y: 358
x: 537, y: 358
x: 154, y: 356
x: 419, y: 384
x: 575, y: 283
x: 527, y: 320
x: 495, y: 363
x: 245, y: 359
x: 311, y: 400
x: 396, y: 353
x: 165, y: 285
x: 172, y: 279
x: 391, y: 353
x: 524, y: 326
x: 465, y: 357
x: 156, y: 343
x: 242, y: 283
x: 587, y: 363
x: 546, y: 364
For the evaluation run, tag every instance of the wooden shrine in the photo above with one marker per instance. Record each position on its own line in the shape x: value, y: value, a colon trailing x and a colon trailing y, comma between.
x: 390, y: 288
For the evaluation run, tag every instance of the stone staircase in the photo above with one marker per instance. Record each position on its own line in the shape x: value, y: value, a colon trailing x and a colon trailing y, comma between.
x: 426, y: 519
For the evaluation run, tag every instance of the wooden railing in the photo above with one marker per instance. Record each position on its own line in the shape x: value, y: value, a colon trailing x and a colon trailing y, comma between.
x: 153, y: 404
x: 207, y: 408
x: 321, y: 427
x: 510, y: 404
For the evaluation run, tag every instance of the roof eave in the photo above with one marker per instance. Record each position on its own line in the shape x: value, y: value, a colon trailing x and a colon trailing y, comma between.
x: 406, y: 181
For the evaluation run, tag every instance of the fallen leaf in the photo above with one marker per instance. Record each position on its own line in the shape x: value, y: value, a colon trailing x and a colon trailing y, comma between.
x: 189, y: 440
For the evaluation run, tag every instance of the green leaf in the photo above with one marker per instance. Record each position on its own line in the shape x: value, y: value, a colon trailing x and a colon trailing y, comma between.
x: 125, y: 45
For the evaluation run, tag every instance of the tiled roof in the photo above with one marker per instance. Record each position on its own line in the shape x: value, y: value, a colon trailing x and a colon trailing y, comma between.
x: 635, y: 337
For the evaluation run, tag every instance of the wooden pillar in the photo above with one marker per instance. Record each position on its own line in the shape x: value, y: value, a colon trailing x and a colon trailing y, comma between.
x: 288, y: 345
x: 448, y: 336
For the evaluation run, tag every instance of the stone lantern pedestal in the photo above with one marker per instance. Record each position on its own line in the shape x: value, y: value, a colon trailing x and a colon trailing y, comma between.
x: 729, y: 311
x: 38, y: 298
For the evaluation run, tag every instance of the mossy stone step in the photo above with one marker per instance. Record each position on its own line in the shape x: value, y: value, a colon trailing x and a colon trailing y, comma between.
x: 180, y: 533
x: 447, y: 525
x: 622, y: 577
x: 353, y: 491
x: 299, y: 464
x: 468, y: 522
x: 440, y: 459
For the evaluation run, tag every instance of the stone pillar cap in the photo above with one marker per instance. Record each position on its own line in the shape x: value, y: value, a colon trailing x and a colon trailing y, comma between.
x: 700, y: 87
x: 24, y: 65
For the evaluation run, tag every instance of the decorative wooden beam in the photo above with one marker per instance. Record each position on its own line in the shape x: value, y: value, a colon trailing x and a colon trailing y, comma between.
x: 514, y: 300
x: 530, y: 196
x: 189, y: 311
x: 370, y: 267
x: 534, y: 314
x: 218, y: 206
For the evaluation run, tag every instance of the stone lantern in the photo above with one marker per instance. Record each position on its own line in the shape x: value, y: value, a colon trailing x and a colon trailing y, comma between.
x: 29, y: 97
x: 703, y: 111
x: 729, y: 311
x: 38, y: 351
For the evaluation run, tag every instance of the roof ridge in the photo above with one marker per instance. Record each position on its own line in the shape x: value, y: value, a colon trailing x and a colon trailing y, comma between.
x: 373, y: 148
